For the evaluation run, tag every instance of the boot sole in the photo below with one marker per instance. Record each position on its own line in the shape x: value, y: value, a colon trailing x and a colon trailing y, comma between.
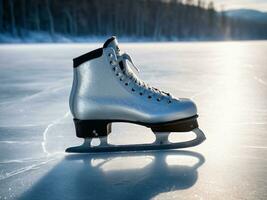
x: 100, y: 128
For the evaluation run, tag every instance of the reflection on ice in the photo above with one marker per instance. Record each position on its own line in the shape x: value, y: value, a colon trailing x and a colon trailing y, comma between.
x: 182, y: 160
x: 127, y: 163
x: 88, y: 176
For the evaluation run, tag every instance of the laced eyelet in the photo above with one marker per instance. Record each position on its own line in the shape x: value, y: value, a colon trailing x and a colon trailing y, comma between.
x: 121, y: 79
x: 158, y: 99
x: 112, y: 62
x: 110, y: 55
x: 133, y: 89
x: 114, y: 68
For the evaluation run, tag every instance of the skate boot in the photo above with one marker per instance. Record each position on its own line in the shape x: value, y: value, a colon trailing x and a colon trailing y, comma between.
x: 106, y: 89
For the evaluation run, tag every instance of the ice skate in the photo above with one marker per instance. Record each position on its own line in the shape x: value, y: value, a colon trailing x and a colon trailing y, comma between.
x: 106, y: 89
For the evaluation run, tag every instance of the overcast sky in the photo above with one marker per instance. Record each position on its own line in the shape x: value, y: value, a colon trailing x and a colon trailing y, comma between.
x: 236, y: 4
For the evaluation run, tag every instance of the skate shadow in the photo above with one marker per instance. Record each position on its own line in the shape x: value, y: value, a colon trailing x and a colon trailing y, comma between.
x: 118, y: 176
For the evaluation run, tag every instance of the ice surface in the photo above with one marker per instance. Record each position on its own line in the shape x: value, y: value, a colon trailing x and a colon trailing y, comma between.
x: 228, y: 81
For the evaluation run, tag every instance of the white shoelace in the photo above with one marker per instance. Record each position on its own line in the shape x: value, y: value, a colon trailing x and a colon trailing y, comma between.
x: 131, y: 73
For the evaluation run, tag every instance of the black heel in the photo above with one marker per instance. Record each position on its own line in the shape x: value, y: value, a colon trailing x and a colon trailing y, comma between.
x: 92, y: 128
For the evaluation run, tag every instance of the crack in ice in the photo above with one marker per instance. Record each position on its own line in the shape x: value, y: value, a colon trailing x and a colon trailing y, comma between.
x: 57, y: 121
x: 16, y: 142
x: 23, y: 169
x: 25, y: 160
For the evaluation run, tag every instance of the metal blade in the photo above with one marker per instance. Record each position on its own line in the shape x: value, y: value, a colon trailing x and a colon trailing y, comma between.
x: 161, y: 143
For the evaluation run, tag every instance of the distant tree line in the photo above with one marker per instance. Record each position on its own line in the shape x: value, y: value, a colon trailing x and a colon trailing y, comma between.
x: 168, y: 19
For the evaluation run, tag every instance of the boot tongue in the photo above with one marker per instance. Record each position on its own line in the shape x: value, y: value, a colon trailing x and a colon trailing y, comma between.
x: 113, y: 43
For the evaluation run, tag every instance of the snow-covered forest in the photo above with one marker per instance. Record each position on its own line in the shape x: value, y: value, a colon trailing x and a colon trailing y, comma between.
x: 147, y: 19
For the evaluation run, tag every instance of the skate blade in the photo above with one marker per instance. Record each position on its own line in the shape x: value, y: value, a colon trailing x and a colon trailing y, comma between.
x: 161, y: 143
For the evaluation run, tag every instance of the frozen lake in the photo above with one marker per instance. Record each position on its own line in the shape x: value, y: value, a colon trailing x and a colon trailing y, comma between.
x: 227, y: 80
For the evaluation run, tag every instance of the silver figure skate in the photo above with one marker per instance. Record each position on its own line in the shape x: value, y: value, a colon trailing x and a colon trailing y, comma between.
x: 106, y: 89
